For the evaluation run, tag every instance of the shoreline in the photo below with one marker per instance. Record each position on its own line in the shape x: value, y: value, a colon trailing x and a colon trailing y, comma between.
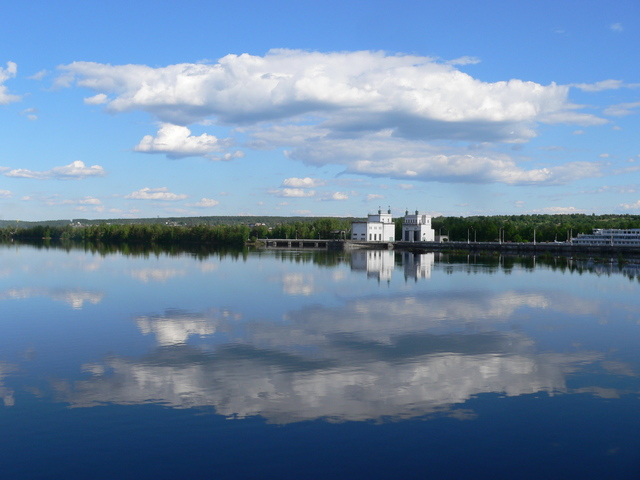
x: 564, y: 249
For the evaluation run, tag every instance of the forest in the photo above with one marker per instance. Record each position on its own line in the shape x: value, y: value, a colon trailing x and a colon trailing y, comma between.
x: 521, y: 228
x: 163, y: 234
x: 132, y: 234
x: 507, y: 228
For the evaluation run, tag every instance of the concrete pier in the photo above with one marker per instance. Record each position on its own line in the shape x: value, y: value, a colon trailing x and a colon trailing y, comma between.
x: 561, y: 248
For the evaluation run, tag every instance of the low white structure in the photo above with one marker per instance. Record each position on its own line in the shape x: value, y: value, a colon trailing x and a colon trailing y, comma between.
x: 629, y: 237
x: 417, y: 228
x: 378, y: 228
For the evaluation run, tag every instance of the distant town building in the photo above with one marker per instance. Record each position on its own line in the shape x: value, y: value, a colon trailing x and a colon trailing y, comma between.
x: 417, y: 228
x: 612, y: 236
x: 378, y: 228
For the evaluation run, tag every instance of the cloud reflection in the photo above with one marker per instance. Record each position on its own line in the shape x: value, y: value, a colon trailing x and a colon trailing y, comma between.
x: 370, y: 359
x: 75, y: 298
x: 175, y: 326
x: 366, y: 382
x: 147, y: 275
x: 6, y: 393
x: 298, y: 284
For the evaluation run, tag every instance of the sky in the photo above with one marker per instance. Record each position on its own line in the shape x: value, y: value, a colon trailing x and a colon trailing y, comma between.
x: 196, y: 108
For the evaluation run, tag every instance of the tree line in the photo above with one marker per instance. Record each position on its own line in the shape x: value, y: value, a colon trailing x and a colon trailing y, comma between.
x: 507, y: 228
x: 134, y: 234
x: 522, y: 228
x: 163, y: 234
x: 321, y: 228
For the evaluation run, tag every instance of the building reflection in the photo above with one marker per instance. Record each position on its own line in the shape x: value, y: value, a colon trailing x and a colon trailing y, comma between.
x: 417, y: 265
x: 380, y: 264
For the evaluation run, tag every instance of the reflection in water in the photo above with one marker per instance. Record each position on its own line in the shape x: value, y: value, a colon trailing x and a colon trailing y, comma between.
x: 380, y: 264
x: 369, y: 359
x: 175, y: 327
x: 297, y: 284
x: 533, y: 351
x: 6, y: 393
x: 74, y: 298
x: 377, y: 264
x: 156, y: 274
x: 380, y: 318
x: 417, y: 265
x: 365, y: 381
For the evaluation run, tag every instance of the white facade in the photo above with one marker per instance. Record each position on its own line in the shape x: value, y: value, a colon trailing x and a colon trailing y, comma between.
x: 379, y: 227
x: 618, y: 237
x: 417, y: 228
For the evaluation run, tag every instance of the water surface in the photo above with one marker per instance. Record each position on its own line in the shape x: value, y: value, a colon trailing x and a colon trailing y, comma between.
x: 300, y: 364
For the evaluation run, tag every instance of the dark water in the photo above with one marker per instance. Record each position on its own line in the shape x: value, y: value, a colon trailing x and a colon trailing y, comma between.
x: 310, y: 365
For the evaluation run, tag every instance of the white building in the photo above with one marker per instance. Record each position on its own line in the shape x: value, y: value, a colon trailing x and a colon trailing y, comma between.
x: 417, y: 228
x: 378, y: 228
x: 629, y: 237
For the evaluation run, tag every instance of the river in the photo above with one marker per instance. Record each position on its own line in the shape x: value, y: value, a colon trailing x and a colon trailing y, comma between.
x: 312, y: 364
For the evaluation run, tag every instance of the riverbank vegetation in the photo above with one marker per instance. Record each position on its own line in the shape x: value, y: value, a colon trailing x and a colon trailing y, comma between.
x: 522, y: 228
x: 214, y: 231
x: 163, y: 234
x: 133, y: 234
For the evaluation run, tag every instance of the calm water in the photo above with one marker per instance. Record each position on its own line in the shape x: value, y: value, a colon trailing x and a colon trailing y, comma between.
x: 309, y: 365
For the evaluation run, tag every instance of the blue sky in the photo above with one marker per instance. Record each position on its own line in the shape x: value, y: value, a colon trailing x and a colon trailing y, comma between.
x: 143, y: 109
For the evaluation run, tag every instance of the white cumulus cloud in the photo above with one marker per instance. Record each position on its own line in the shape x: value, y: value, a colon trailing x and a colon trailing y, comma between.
x: 466, y: 60
x: 39, y: 75
x: 204, y: 203
x: 161, y: 193
x: 5, y: 74
x: 292, y: 192
x: 599, y: 86
x: 630, y: 206
x: 378, y: 155
x: 339, y: 196
x: 398, y: 90
x: 622, y: 109
x: 306, y: 182
x: 98, y: 99
x: 376, y: 113
x: 75, y: 170
x: 5, y: 194
x: 30, y: 113
x: 90, y: 201
x: 177, y: 142
x: 557, y: 210
x: 227, y: 157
